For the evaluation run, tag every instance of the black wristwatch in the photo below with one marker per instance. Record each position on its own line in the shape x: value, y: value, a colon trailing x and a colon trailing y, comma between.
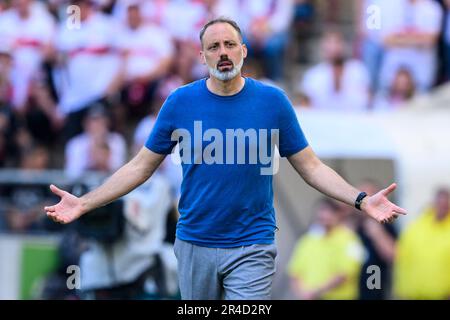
x: 359, y: 200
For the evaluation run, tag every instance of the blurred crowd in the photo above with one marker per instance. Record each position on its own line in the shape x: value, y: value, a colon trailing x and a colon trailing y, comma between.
x: 81, y: 83
x: 59, y: 59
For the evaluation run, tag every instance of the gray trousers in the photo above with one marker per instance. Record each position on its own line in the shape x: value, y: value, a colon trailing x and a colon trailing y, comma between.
x: 241, y: 273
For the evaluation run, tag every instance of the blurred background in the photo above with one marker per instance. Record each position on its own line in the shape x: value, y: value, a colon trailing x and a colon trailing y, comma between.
x: 81, y: 83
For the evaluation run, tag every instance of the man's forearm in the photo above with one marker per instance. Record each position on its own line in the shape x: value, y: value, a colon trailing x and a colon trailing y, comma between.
x: 124, y: 180
x: 323, y: 178
x: 327, y: 181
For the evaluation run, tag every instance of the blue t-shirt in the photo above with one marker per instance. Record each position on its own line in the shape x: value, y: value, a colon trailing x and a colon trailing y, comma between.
x: 225, y: 143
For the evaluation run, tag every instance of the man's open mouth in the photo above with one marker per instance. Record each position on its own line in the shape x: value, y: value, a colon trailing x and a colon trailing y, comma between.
x: 225, y: 64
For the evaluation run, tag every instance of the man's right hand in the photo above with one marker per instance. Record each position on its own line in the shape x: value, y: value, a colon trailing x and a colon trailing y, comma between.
x: 127, y: 178
x: 67, y: 210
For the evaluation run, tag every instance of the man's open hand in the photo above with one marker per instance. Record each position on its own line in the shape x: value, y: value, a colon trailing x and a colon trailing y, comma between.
x: 67, y: 210
x: 380, y: 208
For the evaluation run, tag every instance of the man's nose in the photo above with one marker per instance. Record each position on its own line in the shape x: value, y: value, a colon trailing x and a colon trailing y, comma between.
x: 223, y: 51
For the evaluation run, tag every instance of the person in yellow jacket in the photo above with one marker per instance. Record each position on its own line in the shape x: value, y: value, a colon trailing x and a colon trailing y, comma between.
x: 326, y: 262
x: 422, y: 264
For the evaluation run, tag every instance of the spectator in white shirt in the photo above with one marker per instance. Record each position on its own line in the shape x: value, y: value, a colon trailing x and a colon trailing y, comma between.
x: 183, y: 19
x: 92, y: 66
x: 338, y: 83
x: 29, y: 29
x: 411, y: 30
x: 148, y: 56
x: 80, y: 153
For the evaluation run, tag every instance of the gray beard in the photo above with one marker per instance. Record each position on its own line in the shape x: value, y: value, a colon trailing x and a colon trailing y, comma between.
x: 226, y: 75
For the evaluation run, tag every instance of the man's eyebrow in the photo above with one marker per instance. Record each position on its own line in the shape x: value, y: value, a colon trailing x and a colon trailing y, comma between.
x: 212, y: 43
x: 225, y: 41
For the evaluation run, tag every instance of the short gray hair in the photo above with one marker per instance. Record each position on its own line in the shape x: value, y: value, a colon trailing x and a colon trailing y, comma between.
x: 221, y: 20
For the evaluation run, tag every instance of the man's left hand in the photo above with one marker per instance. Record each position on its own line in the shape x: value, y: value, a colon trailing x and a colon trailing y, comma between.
x: 380, y: 208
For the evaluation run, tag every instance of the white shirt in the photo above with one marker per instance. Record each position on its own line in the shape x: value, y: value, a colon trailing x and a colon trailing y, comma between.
x: 279, y: 13
x: 93, y: 61
x: 28, y: 38
x: 148, y: 45
x: 78, y: 150
x: 183, y: 19
x: 318, y: 85
x: 423, y: 16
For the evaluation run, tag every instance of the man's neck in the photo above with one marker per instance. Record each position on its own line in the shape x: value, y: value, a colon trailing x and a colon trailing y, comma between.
x: 225, y: 88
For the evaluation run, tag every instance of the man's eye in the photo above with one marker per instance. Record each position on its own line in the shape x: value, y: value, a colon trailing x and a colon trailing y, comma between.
x: 231, y: 44
x: 213, y: 47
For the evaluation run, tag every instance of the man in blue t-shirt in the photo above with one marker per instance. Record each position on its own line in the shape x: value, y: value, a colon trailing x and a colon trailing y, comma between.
x: 228, y: 129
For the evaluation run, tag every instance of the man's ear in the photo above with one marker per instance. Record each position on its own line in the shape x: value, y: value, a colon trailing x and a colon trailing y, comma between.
x: 202, y: 57
x: 244, y: 51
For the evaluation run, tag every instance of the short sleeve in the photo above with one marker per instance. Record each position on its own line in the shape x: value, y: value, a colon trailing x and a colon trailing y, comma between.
x: 160, y: 139
x: 291, y: 138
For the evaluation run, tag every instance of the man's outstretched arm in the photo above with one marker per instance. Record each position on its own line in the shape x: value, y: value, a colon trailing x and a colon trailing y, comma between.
x: 128, y: 177
x: 326, y: 180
